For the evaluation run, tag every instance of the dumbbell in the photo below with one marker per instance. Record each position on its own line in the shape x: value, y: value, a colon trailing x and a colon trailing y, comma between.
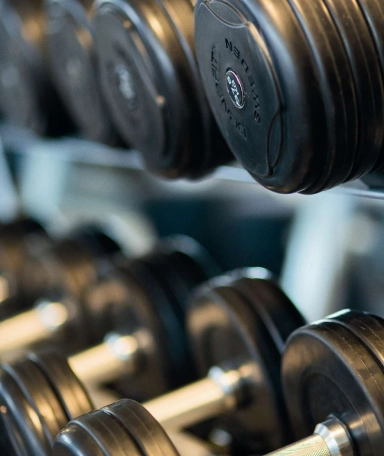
x: 27, y: 97
x: 332, y: 374
x: 147, y: 437
x: 153, y: 351
x: 151, y: 83
x: 296, y: 87
x: 333, y: 379
x: 56, y: 269
x: 238, y: 324
x: 126, y: 295
x: 70, y: 41
x: 125, y: 428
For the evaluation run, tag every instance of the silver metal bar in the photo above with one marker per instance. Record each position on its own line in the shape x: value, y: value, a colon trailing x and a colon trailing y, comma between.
x: 329, y: 439
x: 312, y: 446
x: 27, y: 328
x: 197, y: 402
x: 106, y: 362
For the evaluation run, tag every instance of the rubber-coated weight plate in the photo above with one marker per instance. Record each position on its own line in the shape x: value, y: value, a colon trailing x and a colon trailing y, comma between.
x: 278, y: 313
x: 121, y: 304
x: 326, y: 360
x: 147, y: 433
x: 225, y: 329
x: 150, y: 86
x: 276, y: 118
x: 96, y: 434
x: 27, y: 97
x: 279, y: 317
x: 168, y: 332
x: 22, y: 433
x: 205, y: 135
x: 180, y: 264
x: 19, y: 98
x: 73, y: 62
x: 69, y: 390
x: 32, y: 406
x: 368, y: 328
x: 336, y: 85
x: 190, y: 260
x: 366, y: 71
x: 262, y: 134
x: 373, y: 11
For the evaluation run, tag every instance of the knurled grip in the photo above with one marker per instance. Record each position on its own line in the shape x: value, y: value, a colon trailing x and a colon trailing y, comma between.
x: 312, y: 446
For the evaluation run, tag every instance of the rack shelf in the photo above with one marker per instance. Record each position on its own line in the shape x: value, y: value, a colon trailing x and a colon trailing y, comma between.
x: 24, y: 142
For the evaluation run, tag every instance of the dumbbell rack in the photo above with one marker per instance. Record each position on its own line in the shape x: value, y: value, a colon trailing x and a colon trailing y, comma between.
x: 70, y: 152
x: 77, y: 150
x: 71, y: 155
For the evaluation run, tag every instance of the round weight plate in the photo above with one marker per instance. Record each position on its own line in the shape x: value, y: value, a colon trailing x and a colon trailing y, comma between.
x: 21, y: 430
x: 365, y: 66
x: 373, y: 10
x: 190, y: 260
x: 140, y: 78
x: 225, y: 329
x: 181, y: 263
x: 120, y: 303
x: 131, y: 299
x: 148, y: 74
x: 27, y: 96
x: 368, y: 328
x: 280, y: 318
x: 172, y: 286
x: 337, y: 88
x: 147, y: 433
x: 255, y: 70
x: 31, y: 406
x: 69, y: 390
x: 205, y: 134
x: 96, y: 434
x: 73, y: 63
x: 326, y: 360
x: 278, y: 313
x: 168, y: 333
x: 19, y: 97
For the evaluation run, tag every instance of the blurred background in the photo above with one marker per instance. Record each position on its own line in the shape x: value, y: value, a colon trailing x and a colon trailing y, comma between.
x: 326, y: 249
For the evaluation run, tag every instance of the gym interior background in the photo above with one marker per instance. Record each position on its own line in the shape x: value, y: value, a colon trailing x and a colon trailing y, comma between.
x: 325, y: 250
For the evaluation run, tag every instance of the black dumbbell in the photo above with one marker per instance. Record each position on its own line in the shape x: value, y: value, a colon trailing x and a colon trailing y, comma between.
x: 125, y: 426
x: 333, y: 379
x: 27, y: 97
x: 63, y: 268
x: 153, y: 352
x: 70, y: 41
x: 82, y: 311
x: 152, y: 86
x: 238, y: 325
x: 296, y: 87
x: 332, y: 374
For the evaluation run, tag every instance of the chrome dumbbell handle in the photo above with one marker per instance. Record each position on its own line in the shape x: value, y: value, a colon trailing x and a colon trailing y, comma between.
x: 204, y: 399
x: 106, y: 362
x: 329, y: 439
x: 30, y: 327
